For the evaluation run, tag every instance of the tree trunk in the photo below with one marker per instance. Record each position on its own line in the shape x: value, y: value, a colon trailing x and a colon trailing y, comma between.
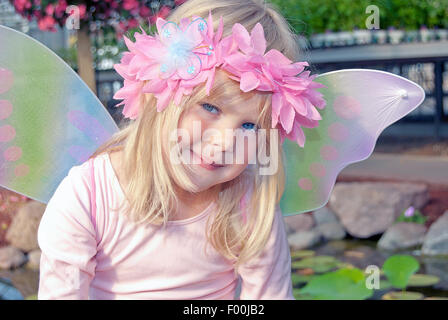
x: 85, y: 60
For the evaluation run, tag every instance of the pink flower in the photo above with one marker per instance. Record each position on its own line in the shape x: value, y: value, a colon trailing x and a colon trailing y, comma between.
x: 21, y: 5
x: 180, y: 57
x: 171, y: 68
x: 163, y: 13
x: 82, y: 11
x: 47, y: 23
x: 145, y: 11
x: 294, y: 99
x: 409, y: 212
x: 49, y: 10
x: 60, y: 8
x: 130, y: 4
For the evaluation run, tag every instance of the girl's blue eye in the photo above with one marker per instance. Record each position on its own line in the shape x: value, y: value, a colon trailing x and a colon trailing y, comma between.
x: 209, y: 107
x: 251, y: 126
x: 212, y: 109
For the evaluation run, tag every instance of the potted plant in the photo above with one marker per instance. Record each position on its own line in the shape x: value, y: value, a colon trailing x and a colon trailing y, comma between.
x: 395, y: 35
x: 425, y: 34
x: 317, y: 40
x: 362, y: 36
x: 380, y: 36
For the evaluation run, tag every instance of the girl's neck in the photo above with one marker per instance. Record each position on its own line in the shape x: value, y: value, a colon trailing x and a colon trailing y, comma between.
x: 191, y: 204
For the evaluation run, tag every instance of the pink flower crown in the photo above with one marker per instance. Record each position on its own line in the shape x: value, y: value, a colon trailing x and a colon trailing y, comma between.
x: 180, y: 57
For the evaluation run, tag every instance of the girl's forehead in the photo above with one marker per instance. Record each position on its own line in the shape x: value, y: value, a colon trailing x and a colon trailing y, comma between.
x: 244, y: 108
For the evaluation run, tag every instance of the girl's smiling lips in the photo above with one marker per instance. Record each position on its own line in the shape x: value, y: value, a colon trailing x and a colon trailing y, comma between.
x: 209, y: 165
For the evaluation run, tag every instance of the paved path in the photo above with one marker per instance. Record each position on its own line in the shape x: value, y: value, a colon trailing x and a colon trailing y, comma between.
x: 403, y: 167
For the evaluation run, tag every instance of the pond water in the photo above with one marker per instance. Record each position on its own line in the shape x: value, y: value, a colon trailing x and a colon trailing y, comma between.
x: 22, y: 283
x: 362, y: 253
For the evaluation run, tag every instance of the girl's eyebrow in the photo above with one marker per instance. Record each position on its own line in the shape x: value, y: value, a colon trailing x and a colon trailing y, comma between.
x: 231, y: 109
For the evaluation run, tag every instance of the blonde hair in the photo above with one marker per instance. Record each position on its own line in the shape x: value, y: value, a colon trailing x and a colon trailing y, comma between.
x: 151, y: 176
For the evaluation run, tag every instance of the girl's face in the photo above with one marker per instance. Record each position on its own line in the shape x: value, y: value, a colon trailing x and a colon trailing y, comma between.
x: 221, y: 141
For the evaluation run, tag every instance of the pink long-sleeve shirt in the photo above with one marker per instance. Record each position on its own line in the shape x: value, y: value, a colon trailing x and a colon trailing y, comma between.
x: 117, y: 259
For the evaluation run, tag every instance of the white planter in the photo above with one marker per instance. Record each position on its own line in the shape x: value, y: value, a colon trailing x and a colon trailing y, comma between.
x: 442, y: 34
x: 317, y: 40
x: 330, y: 38
x: 412, y: 36
x: 345, y: 38
x: 380, y: 36
x: 396, y: 36
x: 426, y: 35
x: 362, y: 36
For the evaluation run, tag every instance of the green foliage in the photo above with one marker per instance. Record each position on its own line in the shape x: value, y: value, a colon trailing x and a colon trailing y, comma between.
x: 343, y: 284
x: 422, y: 280
x: 301, y: 254
x: 298, y: 279
x: 316, y: 16
x: 399, y: 268
x: 319, y: 264
x: 417, y: 217
x: 402, y: 295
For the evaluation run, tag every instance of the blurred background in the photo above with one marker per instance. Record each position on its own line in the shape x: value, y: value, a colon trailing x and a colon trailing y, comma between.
x: 400, y: 192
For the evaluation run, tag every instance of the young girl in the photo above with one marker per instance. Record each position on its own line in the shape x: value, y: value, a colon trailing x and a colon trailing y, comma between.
x: 132, y: 224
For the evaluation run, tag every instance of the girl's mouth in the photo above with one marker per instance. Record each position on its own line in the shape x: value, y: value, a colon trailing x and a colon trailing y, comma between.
x: 204, y: 164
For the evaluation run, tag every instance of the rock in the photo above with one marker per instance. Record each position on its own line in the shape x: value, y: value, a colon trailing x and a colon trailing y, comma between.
x: 22, y: 233
x: 34, y: 259
x: 331, y: 231
x: 11, y: 257
x: 402, y: 235
x: 437, y: 267
x: 369, y: 208
x: 299, y: 222
x: 324, y: 215
x: 436, y: 240
x: 304, y: 239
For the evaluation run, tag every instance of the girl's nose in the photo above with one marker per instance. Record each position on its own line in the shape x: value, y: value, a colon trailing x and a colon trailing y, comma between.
x: 221, y: 140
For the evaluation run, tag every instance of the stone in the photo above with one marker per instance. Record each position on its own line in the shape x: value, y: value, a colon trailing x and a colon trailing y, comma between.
x: 304, y: 239
x: 34, y: 259
x: 436, y: 239
x: 332, y: 231
x: 369, y: 208
x: 22, y: 233
x: 299, y: 222
x: 11, y: 257
x: 324, y: 215
x: 402, y: 235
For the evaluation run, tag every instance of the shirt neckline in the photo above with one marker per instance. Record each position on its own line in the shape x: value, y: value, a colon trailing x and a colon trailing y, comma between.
x: 170, y: 222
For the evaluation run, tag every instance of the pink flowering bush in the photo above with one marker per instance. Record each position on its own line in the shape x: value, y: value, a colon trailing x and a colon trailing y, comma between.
x: 121, y: 15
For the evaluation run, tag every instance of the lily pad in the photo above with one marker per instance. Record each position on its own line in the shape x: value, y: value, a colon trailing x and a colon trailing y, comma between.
x: 402, y: 295
x: 384, y: 284
x: 299, y: 296
x: 342, y: 284
x: 299, y: 254
x: 399, y: 268
x: 299, y: 278
x: 422, y: 280
x: 319, y: 264
x: 436, y: 298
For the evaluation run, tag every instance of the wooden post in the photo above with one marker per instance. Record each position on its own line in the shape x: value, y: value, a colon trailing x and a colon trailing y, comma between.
x: 85, y: 60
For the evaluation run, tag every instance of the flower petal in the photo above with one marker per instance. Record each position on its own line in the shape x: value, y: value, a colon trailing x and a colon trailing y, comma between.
x: 287, y: 118
x: 242, y: 38
x: 277, y: 101
x: 257, y: 39
x: 248, y: 82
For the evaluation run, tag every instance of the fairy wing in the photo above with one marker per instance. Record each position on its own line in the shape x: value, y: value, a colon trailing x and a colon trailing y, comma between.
x: 361, y: 103
x: 50, y: 120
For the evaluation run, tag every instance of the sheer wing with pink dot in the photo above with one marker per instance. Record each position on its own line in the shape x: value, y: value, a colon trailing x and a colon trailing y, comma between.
x: 361, y: 103
x: 50, y: 120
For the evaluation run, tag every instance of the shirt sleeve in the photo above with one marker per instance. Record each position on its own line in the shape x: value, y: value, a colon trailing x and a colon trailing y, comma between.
x: 268, y: 276
x: 67, y: 239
